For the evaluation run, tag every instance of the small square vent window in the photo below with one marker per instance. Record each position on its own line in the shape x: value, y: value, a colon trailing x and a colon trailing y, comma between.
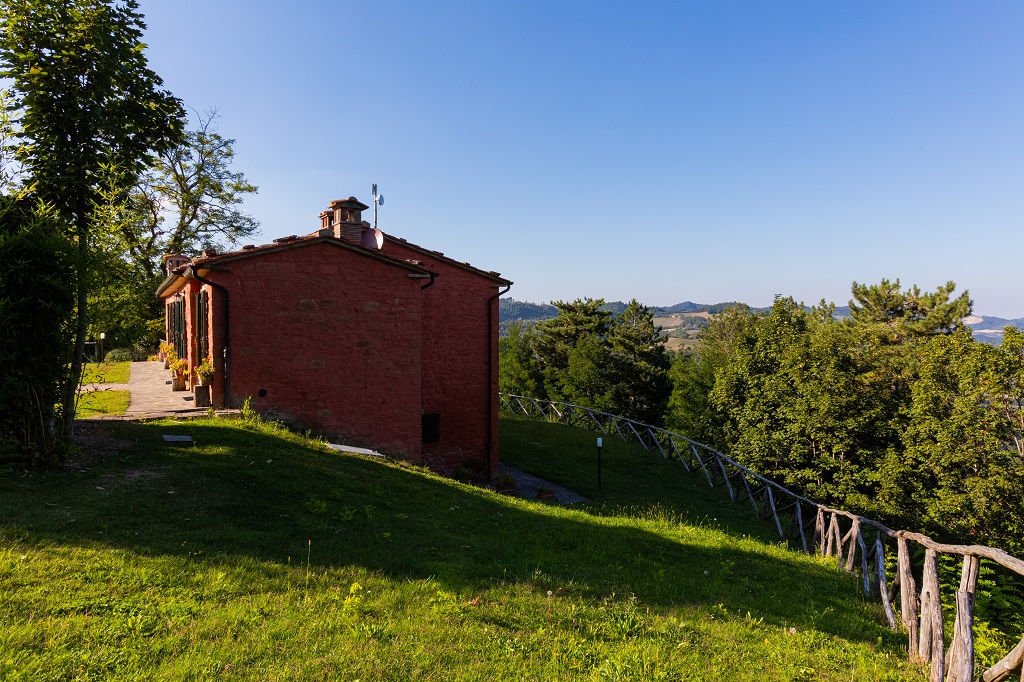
x: 431, y: 428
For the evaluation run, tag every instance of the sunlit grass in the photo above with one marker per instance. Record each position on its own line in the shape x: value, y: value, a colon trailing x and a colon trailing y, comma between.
x: 106, y: 373
x: 179, y: 561
x: 92, y: 403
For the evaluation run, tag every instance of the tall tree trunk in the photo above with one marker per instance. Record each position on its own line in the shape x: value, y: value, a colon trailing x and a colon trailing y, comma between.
x: 82, y: 326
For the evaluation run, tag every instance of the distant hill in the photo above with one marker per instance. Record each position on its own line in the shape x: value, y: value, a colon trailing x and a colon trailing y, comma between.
x: 988, y: 329
x: 511, y: 310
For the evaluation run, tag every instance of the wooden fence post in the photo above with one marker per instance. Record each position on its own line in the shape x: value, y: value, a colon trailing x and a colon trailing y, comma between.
x: 864, y: 566
x: 819, y: 531
x: 836, y: 539
x: 883, y: 588
x: 930, y: 648
x: 908, y: 597
x: 800, y: 525
x: 960, y: 662
x: 775, y: 515
x: 852, y: 548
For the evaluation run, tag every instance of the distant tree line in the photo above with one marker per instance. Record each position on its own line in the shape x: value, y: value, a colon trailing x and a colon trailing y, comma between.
x: 894, y: 412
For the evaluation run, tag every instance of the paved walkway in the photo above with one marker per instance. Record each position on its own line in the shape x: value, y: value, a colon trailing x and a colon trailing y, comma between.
x: 150, y: 386
x: 529, y: 486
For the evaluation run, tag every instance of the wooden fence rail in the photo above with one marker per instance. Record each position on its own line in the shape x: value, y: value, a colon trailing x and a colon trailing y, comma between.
x: 920, y: 611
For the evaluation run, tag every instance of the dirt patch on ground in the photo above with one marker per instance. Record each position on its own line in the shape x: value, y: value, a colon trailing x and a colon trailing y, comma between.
x: 93, y: 443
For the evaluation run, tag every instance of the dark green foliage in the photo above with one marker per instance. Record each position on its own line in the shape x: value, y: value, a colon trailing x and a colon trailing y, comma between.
x: 639, y: 364
x: 588, y: 376
x: 35, y: 309
x: 963, y: 439
x: 558, y: 336
x: 93, y: 114
x: 588, y: 356
x: 123, y: 305
x: 690, y: 410
x: 900, y: 315
x: 519, y: 371
x: 90, y: 101
x: 896, y: 413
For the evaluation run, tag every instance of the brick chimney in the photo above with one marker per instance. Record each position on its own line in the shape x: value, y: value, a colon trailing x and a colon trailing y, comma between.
x: 343, y: 220
x: 173, y: 261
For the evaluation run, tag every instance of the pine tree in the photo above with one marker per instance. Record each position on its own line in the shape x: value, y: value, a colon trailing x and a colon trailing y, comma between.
x: 640, y: 365
x: 557, y: 337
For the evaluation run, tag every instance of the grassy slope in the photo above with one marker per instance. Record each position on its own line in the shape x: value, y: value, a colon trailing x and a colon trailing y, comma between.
x: 189, y: 562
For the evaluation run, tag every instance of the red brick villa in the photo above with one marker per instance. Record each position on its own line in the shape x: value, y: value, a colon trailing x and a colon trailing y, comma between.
x: 349, y: 331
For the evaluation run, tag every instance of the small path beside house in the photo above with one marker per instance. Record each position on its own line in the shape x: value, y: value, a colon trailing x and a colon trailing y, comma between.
x: 528, y: 486
x: 151, y: 394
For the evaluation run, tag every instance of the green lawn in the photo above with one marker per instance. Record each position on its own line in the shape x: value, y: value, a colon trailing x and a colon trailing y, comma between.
x: 633, y: 481
x: 106, y: 373
x: 256, y: 554
x: 92, y: 403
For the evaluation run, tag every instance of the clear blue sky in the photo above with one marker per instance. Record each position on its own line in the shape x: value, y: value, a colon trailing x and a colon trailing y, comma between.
x: 703, y: 151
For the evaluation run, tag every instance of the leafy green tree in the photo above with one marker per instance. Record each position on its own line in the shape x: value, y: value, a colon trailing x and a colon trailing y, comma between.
x: 639, y: 365
x: 587, y: 379
x: 92, y: 107
x: 801, y: 404
x: 188, y: 200
x: 965, y: 473
x: 519, y: 372
x: 690, y: 410
x: 557, y: 337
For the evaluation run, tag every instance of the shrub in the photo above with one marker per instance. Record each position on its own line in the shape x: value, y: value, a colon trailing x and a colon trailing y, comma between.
x: 36, y: 308
x: 139, y: 352
x: 118, y: 355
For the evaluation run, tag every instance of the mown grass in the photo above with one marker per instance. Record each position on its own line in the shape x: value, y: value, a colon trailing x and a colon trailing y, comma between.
x: 92, y: 403
x: 256, y: 554
x: 632, y: 479
x: 106, y: 373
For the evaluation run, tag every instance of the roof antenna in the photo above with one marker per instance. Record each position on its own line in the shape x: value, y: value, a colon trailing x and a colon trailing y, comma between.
x: 374, y: 239
x: 378, y: 200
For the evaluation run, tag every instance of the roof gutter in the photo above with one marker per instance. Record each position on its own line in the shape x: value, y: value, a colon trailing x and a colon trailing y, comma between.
x: 191, y: 273
x: 431, y: 275
x: 492, y: 351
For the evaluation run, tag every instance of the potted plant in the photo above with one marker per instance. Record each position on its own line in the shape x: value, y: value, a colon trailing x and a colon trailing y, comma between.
x: 181, y: 370
x: 205, y: 371
x: 204, y: 374
x: 167, y: 354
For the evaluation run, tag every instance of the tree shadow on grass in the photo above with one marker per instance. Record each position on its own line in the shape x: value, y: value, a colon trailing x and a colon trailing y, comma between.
x: 242, y: 494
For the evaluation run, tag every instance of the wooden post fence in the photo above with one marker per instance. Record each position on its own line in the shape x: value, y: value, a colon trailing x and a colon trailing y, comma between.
x: 920, y: 612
